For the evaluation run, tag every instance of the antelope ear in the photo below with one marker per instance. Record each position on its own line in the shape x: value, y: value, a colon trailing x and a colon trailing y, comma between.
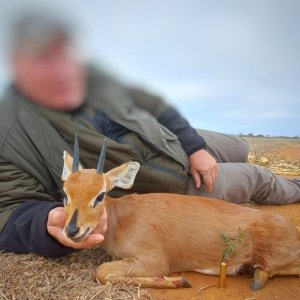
x: 123, y: 176
x: 67, y: 169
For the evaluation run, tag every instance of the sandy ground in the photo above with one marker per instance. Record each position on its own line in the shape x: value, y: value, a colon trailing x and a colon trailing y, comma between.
x: 283, y: 157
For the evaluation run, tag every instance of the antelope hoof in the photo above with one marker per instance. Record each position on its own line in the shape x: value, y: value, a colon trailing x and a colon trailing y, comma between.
x: 259, y: 279
x: 185, y: 283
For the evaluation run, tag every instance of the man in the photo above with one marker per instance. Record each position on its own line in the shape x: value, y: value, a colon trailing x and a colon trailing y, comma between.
x: 54, y: 94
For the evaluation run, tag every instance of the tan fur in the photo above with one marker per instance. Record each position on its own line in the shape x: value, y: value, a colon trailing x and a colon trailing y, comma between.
x: 158, y: 234
x: 88, y: 185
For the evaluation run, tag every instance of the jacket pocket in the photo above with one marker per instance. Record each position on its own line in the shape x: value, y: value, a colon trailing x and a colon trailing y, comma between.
x: 167, y: 134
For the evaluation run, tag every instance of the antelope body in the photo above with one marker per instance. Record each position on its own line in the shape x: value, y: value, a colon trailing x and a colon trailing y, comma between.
x: 155, y: 235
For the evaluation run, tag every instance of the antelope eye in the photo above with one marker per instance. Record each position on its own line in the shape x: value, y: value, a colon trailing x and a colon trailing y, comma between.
x: 66, y: 200
x: 99, y: 199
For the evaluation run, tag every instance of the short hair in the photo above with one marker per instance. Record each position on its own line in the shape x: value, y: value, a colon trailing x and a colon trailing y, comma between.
x: 36, y: 31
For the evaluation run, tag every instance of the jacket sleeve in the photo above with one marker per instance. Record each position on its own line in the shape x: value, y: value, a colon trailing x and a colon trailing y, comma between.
x: 24, y: 208
x: 190, y: 140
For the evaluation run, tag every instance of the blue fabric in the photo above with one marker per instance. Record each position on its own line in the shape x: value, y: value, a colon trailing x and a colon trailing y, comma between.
x: 103, y: 124
x: 26, y: 231
x: 109, y: 128
x: 189, y: 138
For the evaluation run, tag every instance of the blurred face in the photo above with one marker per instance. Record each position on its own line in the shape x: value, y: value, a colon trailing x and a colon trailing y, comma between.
x: 53, y: 78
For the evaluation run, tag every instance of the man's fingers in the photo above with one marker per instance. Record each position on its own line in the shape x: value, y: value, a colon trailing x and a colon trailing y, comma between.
x: 214, y: 173
x: 91, y: 241
x: 94, y: 239
x: 213, y: 177
x: 56, y: 217
x: 102, y: 224
x: 55, y: 232
x: 55, y: 226
x: 197, y: 178
x: 208, y: 180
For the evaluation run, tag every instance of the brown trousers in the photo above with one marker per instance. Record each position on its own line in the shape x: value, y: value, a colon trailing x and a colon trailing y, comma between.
x: 241, y: 182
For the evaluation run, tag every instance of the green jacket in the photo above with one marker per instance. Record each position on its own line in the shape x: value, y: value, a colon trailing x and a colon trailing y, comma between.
x: 31, y: 143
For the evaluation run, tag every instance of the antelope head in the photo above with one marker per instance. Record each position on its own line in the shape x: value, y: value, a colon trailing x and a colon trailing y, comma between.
x: 85, y: 190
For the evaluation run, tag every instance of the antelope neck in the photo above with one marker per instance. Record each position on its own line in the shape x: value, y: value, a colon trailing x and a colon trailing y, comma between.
x: 111, y: 222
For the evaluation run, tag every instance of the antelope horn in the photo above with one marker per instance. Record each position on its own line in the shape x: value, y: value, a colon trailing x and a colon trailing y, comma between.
x: 75, y: 165
x: 101, y: 160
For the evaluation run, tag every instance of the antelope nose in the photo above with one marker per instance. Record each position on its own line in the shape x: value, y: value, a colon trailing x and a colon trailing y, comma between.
x: 71, y: 230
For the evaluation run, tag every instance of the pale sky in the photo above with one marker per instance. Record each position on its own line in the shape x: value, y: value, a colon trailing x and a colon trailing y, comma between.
x: 229, y: 66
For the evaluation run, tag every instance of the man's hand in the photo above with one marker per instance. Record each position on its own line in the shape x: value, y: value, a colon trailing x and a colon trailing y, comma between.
x: 205, y: 166
x: 56, y: 223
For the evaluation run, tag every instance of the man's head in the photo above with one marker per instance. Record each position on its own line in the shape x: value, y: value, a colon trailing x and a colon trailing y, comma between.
x: 44, y: 65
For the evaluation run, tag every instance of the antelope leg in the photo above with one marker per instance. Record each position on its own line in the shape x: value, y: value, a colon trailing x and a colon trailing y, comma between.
x: 130, y: 270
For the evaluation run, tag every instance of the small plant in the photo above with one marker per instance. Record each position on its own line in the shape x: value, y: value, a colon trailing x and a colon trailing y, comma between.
x: 231, y: 243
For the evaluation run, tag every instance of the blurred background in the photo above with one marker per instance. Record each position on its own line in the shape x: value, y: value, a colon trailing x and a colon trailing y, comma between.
x: 230, y: 66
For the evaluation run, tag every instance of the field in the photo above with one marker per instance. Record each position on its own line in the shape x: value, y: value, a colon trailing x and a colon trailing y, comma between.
x: 281, y: 155
x: 32, y: 277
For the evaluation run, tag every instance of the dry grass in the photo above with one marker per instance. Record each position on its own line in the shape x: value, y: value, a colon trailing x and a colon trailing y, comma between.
x: 72, y: 277
x: 280, y: 155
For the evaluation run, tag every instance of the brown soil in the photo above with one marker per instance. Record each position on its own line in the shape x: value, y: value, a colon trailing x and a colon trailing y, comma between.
x: 281, y: 155
x: 290, y: 153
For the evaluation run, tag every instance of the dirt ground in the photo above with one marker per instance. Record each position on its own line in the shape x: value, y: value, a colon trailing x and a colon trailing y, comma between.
x: 72, y: 277
x: 282, y: 156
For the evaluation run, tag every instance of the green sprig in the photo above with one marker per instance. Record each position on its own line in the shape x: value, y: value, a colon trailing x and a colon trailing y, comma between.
x: 231, y: 243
